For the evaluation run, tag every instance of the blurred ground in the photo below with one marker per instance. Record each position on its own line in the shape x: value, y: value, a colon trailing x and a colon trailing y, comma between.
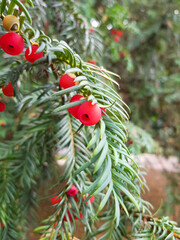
x: 156, y: 182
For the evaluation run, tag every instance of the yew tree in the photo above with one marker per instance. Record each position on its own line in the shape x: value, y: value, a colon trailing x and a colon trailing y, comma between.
x: 66, y: 110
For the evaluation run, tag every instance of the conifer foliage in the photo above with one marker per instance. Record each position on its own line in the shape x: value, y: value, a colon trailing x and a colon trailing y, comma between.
x: 102, y: 181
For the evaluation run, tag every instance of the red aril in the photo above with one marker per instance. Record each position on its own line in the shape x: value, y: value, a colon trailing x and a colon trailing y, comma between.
x: 92, y: 62
x: 72, y: 191
x: 89, y: 114
x: 74, y: 110
x: 69, y: 215
x: 8, y: 90
x: 116, y: 38
x: 33, y: 56
x: 12, y: 43
x: 67, y: 80
x: 119, y: 33
x: 91, y: 199
x: 56, y: 200
x: 2, y: 107
x: 113, y: 31
x: 122, y: 54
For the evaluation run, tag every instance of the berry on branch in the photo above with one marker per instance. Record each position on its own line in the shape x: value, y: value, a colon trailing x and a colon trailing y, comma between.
x: 122, y: 54
x: 89, y: 114
x: 19, y: 7
x: 70, y: 217
x: 2, y: 123
x: 113, y: 31
x: 2, y: 107
x: 33, y: 56
x: 116, y: 38
x: 74, y: 110
x: 92, y: 62
x: 91, y: 199
x: 119, y: 33
x: 56, y: 200
x: 67, y: 80
x: 12, y: 43
x: 72, y: 191
x: 8, y: 90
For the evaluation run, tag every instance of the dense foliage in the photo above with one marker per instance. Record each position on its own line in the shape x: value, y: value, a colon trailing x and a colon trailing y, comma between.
x: 97, y: 160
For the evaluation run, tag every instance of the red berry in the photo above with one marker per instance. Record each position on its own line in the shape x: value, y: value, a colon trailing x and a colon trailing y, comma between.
x: 76, y: 199
x: 33, y: 56
x: 19, y: 7
x: 104, y: 110
x: 2, y: 107
x: 119, y: 33
x: 116, y: 38
x: 89, y: 114
x: 91, y: 199
x: 130, y: 142
x: 93, y: 62
x: 12, y: 43
x: 113, y: 31
x: 47, y: 24
x: 2, y: 124
x: 91, y: 30
x: 122, y: 54
x: 69, y: 215
x: 1, y: 225
x: 67, y: 80
x: 56, y: 200
x: 80, y: 215
x: 8, y: 90
x: 72, y: 191
x: 74, y: 110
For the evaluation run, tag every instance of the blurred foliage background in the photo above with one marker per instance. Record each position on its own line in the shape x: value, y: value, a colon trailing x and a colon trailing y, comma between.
x: 146, y: 54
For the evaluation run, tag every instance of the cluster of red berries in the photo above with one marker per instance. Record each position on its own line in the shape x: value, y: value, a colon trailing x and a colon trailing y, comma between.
x: 117, y: 34
x: 88, y: 114
x: 72, y: 192
x: 13, y: 44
